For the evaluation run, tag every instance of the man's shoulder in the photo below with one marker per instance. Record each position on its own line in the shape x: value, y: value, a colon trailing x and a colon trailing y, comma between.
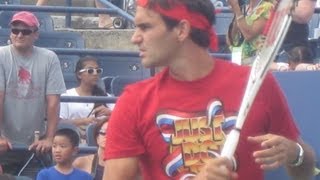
x: 44, y: 51
x: 4, y: 49
x: 228, y: 67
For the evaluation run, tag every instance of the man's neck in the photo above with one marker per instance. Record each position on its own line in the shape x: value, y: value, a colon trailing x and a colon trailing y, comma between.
x: 64, y: 168
x: 192, y: 66
x: 27, y: 52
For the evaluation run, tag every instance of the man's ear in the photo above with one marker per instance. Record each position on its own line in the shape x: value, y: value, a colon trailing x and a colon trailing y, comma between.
x: 36, y: 35
x: 183, y: 29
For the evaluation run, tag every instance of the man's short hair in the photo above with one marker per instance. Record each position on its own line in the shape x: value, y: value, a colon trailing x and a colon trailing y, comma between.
x: 203, y: 7
x: 70, y: 134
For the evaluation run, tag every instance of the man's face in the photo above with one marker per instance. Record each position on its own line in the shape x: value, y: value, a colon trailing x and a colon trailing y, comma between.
x: 157, y: 45
x: 22, y: 36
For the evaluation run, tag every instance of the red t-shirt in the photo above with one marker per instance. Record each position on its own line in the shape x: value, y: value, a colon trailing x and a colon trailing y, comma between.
x: 165, y: 122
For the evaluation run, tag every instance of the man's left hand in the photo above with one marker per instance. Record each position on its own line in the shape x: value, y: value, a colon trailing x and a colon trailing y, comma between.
x: 41, y: 146
x: 276, y: 151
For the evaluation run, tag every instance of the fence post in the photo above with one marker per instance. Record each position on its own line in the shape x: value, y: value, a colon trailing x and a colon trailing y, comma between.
x: 68, y: 15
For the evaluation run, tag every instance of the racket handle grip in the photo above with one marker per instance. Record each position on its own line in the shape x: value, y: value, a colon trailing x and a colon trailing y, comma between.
x: 231, y: 144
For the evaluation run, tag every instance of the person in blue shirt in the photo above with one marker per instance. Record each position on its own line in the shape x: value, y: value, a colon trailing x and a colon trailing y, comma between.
x: 64, y: 148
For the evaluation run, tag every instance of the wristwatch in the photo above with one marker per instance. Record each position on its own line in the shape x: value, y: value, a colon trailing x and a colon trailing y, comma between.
x: 300, y: 157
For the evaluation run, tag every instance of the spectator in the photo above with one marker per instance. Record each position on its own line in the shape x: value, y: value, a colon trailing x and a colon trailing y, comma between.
x: 174, y: 124
x: 245, y: 31
x: 105, y: 20
x: 42, y: 2
x: 298, y: 32
x: 300, y: 58
x: 31, y: 82
x: 94, y: 164
x: 64, y: 148
x: 82, y: 114
x: 300, y: 55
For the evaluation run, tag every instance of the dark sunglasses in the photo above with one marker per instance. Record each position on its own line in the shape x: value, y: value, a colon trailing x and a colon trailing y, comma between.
x: 24, y: 32
x: 92, y: 70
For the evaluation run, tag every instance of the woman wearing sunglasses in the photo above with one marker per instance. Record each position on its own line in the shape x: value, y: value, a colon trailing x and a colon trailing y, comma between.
x: 82, y: 114
x: 94, y: 164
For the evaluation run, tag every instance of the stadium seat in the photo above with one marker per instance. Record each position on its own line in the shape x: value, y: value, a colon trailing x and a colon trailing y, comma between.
x: 68, y: 126
x: 313, y: 23
x: 45, y: 20
x: 222, y: 22
x: 301, y: 90
x: 118, y: 83
x: 52, y: 39
x: 107, y: 83
x: 123, y: 65
x: 68, y: 66
x: 315, y: 48
x: 9, y: 1
x: 89, y: 134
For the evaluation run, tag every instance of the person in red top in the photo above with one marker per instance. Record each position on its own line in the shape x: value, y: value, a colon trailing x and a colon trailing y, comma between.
x: 173, y: 125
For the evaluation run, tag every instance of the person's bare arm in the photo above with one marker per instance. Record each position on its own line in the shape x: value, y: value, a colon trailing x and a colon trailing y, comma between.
x: 279, y: 151
x: 53, y: 104
x: 83, y: 163
x: 42, y: 2
x: 303, y: 11
x: 115, y: 168
x: 305, y: 170
x: 79, y: 121
x: 248, y: 31
x: 4, y: 143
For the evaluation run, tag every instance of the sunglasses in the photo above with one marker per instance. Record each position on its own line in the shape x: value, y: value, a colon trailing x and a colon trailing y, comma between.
x: 24, y: 32
x: 92, y: 70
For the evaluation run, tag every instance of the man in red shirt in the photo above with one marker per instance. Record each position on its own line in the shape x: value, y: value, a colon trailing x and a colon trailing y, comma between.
x: 173, y: 125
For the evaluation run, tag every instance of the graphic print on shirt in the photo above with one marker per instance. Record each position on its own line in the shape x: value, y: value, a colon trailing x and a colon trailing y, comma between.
x: 193, y: 138
x: 22, y: 87
x: 24, y: 81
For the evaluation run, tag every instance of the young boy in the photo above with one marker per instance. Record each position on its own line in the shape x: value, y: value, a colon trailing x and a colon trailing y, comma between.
x: 64, y: 148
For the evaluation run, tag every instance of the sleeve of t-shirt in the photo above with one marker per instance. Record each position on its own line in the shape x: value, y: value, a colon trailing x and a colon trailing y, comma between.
x: 281, y: 120
x: 42, y: 175
x: 2, y: 72
x: 55, y: 81
x: 4, y: 61
x: 123, y: 139
x: 64, y: 111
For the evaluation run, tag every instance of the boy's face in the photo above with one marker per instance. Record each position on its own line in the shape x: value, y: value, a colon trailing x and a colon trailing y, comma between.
x: 62, y: 149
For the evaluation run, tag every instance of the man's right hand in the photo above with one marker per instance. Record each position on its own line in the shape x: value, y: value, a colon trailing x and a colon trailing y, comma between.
x: 5, y: 145
x: 217, y: 169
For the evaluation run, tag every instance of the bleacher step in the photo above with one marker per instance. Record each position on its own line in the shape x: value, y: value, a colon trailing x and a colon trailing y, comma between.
x: 95, y: 38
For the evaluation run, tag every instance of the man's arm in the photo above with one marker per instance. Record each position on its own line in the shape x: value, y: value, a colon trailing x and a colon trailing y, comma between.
x: 303, y: 11
x: 42, y: 2
x: 121, y: 169
x: 1, y: 107
x: 305, y: 170
x: 53, y: 104
x: 4, y: 143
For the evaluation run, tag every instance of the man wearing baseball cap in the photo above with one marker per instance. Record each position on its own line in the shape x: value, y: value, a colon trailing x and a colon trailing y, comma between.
x: 31, y: 82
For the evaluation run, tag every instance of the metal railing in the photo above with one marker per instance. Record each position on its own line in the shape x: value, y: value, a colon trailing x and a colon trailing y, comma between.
x: 113, y: 10
x: 82, y: 149
x: 88, y: 99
